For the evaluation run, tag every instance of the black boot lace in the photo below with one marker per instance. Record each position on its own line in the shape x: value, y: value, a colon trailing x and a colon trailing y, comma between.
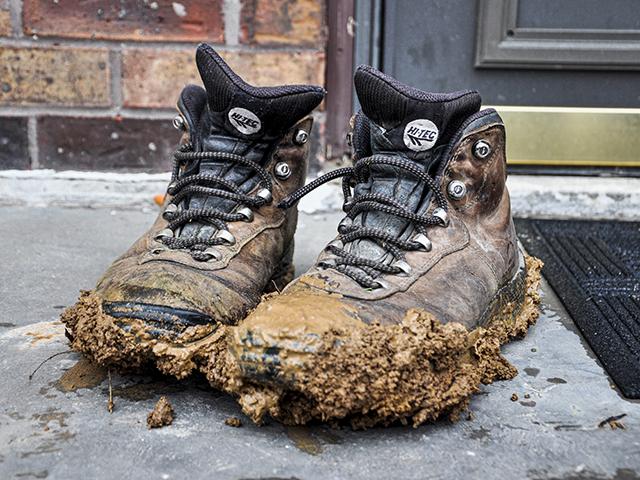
x: 365, y: 270
x: 207, y: 184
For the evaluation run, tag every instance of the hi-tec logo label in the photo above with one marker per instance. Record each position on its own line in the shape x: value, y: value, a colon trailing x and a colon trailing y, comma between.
x: 420, y: 135
x: 245, y: 121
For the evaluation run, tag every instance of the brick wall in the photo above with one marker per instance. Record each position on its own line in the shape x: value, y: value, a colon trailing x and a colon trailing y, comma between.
x: 92, y: 85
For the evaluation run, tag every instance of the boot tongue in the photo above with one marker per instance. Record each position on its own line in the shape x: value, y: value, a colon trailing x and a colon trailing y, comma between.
x: 410, y: 122
x: 407, y: 123
x: 237, y: 118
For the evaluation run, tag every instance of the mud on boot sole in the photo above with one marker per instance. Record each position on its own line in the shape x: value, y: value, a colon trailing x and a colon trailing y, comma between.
x: 133, y: 336
x: 416, y: 371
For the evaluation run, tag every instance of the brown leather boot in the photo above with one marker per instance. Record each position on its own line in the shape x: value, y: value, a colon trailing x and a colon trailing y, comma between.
x: 220, y: 241
x: 404, y: 312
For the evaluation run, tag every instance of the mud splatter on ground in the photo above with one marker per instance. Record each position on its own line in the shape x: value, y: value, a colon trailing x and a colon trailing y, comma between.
x: 415, y: 372
x: 161, y: 415
x: 84, y: 374
x: 233, y: 422
x: 613, y: 422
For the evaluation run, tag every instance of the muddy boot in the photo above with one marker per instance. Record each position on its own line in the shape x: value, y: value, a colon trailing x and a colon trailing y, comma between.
x: 220, y: 241
x: 403, y: 315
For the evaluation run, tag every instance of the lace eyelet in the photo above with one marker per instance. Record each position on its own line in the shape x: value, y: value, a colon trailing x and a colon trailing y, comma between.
x: 227, y: 236
x: 423, y: 240
x: 404, y: 266
x: 170, y: 210
x: 441, y: 213
x: 265, y: 194
x: 381, y: 284
x: 247, y: 213
x: 166, y: 233
x: 215, y: 254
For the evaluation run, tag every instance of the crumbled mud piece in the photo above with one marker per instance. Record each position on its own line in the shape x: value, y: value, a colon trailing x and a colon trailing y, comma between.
x: 613, y: 422
x: 417, y: 371
x: 233, y: 422
x: 161, y: 415
x: 526, y: 395
x: 514, y: 397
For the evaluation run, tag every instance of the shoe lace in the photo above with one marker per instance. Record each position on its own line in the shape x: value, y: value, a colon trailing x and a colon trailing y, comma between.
x: 365, y: 270
x: 208, y: 184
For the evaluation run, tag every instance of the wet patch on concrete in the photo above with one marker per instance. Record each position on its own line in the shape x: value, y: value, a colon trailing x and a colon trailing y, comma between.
x: 7, y: 325
x: 556, y: 380
x: 303, y: 440
x: 531, y: 371
x: 529, y: 403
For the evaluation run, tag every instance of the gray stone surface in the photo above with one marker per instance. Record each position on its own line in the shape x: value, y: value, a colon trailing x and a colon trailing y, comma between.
x: 47, y: 432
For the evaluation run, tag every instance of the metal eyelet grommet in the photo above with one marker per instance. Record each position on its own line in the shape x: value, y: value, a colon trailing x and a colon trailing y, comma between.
x: 423, y: 240
x: 456, y: 189
x: 179, y: 123
x: 441, y: 213
x: 382, y: 284
x: 265, y: 194
x: 170, y: 210
x: 301, y: 137
x: 167, y: 232
x: 327, y: 263
x: 337, y: 243
x: 215, y: 254
x: 481, y: 149
x: 247, y: 213
x: 227, y: 236
x: 402, y: 265
x: 282, y: 170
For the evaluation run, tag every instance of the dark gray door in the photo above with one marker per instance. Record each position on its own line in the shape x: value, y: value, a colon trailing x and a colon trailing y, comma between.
x: 565, y: 74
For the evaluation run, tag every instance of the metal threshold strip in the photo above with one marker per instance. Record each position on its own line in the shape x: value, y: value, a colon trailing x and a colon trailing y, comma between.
x: 569, y: 136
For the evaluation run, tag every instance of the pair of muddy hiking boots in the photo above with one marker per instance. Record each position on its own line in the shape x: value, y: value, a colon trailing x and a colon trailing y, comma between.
x: 402, y: 315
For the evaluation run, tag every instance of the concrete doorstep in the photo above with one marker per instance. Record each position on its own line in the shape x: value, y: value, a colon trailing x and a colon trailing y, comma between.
x: 531, y: 196
x: 560, y: 418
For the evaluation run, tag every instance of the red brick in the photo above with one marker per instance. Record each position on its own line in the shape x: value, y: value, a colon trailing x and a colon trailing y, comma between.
x: 57, y: 76
x: 106, y: 144
x: 14, y: 143
x: 154, y: 78
x: 161, y: 20
x: 5, y: 23
x: 283, y: 22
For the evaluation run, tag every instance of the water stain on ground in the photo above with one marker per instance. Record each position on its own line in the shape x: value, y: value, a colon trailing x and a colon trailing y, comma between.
x: 620, y: 474
x: 7, y: 325
x: 556, y: 380
x: 532, y: 372
x: 303, y: 440
x: 479, y: 434
x: 40, y: 474
x: 84, y: 374
x: 530, y: 403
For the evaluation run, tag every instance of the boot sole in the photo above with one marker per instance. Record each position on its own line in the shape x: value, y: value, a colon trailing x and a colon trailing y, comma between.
x: 418, y: 370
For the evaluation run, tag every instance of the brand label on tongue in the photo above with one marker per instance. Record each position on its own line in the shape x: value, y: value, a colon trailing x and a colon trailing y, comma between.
x: 245, y: 121
x: 420, y: 135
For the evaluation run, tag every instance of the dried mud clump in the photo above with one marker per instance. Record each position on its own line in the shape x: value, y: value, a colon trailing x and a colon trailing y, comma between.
x: 96, y: 334
x: 161, y: 415
x: 414, y: 372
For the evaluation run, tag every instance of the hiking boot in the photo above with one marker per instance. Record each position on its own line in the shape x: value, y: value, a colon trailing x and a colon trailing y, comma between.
x: 220, y: 240
x: 403, y: 315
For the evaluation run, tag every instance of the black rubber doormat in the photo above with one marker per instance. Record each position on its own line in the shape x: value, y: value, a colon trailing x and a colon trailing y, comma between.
x: 594, y: 267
